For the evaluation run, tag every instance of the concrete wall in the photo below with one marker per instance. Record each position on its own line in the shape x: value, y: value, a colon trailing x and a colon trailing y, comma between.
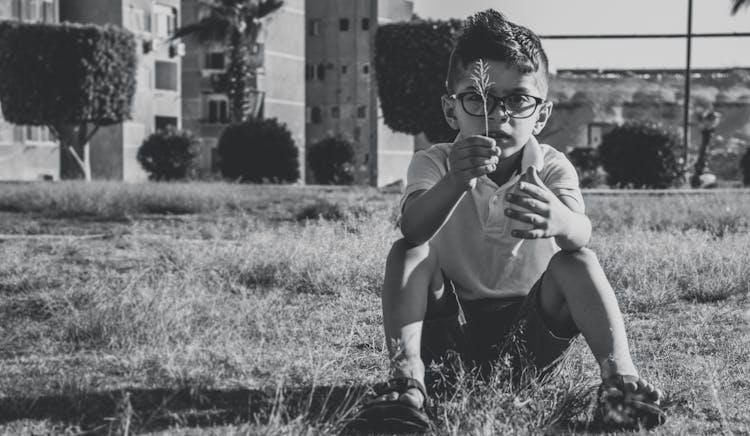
x: 590, y: 100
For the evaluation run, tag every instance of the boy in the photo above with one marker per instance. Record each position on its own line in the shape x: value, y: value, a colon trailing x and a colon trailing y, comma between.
x: 459, y: 260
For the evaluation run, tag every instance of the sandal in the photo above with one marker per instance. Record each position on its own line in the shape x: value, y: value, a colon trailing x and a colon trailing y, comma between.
x: 618, y: 405
x: 393, y: 416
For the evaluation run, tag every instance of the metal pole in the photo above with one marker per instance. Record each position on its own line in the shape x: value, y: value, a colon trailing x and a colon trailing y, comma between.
x: 686, y: 120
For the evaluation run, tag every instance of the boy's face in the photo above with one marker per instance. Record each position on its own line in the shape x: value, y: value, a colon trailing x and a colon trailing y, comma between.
x: 510, y: 132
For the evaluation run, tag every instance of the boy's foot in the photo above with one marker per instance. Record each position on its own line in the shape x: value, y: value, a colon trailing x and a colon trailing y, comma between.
x: 629, y: 402
x: 398, y: 406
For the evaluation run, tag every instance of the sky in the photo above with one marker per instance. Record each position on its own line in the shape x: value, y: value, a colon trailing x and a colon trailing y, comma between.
x: 568, y: 17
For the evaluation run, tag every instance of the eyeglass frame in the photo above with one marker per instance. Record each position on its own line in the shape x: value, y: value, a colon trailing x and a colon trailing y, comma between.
x: 499, y: 101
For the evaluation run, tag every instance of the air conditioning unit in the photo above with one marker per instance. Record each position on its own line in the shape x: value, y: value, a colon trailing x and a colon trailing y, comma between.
x: 176, y: 49
x: 148, y: 46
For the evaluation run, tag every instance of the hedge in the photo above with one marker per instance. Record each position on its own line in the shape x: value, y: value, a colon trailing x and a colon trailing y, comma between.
x: 57, y: 74
x: 642, y: 154
x: 411, y: 62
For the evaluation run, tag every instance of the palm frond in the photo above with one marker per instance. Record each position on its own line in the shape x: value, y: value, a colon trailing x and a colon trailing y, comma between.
x: 739, y: 4
x: 208, y: 29
x: 268, y: 7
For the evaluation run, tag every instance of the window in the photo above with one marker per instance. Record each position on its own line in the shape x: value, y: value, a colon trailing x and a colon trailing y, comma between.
x: 366, y: 69
x: 165, y: 21
x: 313, y: 27
x: 137, y: 21
x: 164, y: 123
x: 335, y: 112
x: 309, y: 72
x: 48, y: 11
x: 166, y: 75
x: 344, y: 69
x: 36, y: 134
x: 361, y: 111
x: 344, y: 24
x: 218, y: 111
x: 316, y: 115
x: 215, y: 60
x: 365, y: 24
x: 15, y: 9
x: 321, y: 72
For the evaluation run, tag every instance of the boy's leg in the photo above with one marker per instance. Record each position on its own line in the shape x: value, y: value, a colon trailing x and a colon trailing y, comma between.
x: 413, y: 284
x: 576, y: 296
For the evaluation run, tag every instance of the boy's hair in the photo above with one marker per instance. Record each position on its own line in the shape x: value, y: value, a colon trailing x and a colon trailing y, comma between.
x: 489, y: 35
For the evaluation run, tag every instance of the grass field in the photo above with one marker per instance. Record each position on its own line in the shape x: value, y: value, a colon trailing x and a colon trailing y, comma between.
x: 224, y: 309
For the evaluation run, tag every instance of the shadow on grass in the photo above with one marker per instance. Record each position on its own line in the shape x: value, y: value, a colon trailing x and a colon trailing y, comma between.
x: 143, y: 410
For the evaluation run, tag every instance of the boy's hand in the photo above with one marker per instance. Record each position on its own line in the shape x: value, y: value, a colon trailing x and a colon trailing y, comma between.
x: 472, y: 157
x: 544, y: 211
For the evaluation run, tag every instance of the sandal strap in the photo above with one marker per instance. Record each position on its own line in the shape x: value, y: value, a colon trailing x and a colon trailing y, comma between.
x: 401, y: 385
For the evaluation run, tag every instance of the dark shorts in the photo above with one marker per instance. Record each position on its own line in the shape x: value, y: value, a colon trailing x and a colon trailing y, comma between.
x: 508, y: 328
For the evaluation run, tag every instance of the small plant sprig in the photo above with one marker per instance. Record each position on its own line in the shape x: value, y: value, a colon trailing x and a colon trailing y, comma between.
x: 481, y: 78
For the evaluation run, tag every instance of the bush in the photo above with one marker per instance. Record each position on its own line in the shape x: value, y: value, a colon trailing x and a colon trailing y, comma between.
x: 331, y: 161
x: 642, y: 154
x: 586, y: 162
x: 411, y: 61
x: 258, y: 151
x: 745, y: 165
x: 168, y: 154
x: 56, y: 74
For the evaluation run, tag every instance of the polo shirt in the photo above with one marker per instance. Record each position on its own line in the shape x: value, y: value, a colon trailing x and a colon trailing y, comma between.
x: 474, y: 247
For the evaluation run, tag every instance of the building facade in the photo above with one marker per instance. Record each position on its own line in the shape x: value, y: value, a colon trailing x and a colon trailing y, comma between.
x: 278, y: 58
x: 157, y: 100
x: 28, y: 152
x: 341, y: 89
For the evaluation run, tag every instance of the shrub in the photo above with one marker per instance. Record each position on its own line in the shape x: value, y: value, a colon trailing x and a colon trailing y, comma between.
x: 642, y: 154
x: 586, y: 162
x: 168, y: 154
x: 745, y: 165
x: 411, y: 60
x: 331, y: 161
x: 258, y: 151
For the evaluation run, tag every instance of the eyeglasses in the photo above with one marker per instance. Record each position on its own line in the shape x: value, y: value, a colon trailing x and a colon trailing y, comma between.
x: 515, y: 105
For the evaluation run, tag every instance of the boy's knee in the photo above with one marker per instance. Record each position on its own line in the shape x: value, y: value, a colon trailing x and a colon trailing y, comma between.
x: 403, y: 249
x: 564, y: 261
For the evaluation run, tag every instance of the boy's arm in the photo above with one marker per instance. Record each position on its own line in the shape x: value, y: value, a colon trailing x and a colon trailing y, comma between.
x: 578, y: 231
x: 425, y: 212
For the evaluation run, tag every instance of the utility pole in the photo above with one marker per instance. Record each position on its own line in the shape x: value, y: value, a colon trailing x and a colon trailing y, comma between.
x: 686, y: 109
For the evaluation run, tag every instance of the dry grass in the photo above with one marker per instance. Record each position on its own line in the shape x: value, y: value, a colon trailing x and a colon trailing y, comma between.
x: 254, y: 318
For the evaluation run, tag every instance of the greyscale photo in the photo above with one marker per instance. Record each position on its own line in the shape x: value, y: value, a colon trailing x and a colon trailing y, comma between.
x: 356, y: 217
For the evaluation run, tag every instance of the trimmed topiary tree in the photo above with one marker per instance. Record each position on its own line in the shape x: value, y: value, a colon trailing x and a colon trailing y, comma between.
x: 745, y: 165
x: 168, y: 154
x: 331, y: 161
x: 258, y: 151
x: 70, y: 78
x: 642, y: 154
x: 411, y: 62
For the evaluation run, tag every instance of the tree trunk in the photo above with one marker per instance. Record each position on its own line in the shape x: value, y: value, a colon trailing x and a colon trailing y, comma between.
x: 238, y: 72
x: 74, y: 155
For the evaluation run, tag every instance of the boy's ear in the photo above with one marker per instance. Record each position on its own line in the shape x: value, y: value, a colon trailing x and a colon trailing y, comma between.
x: 545, y: 111
x: 449, y: 111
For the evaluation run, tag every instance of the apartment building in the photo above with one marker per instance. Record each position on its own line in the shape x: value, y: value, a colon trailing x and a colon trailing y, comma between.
x: 341, y: 89
x: 28, y: 152
x: 157, y: 100
x: 278, y: 86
